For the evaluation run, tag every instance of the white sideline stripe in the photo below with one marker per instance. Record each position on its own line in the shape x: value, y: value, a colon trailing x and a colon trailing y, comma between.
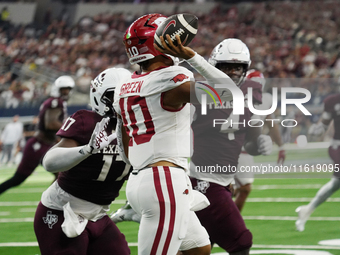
x: 5, y: 213
x: 291, y: 218
x: 303, y: 186
x: 30, y: 203
x: 18, y: 244
x: 23, y: 203
x: 261, y: 246
x: 26, y: 244
x: 314, y: 145
x: 287, y: 199
x: 286, y: 218
x: 29, y: 209
x: 16, y: 220
x: 322, y: 247
x: 251, y: 200
x: 186, y: 24
x: 36, y: 190
x: 32, y: 190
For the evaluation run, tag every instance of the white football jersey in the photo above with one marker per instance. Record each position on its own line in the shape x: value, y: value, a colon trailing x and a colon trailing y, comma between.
x: 156, y: 133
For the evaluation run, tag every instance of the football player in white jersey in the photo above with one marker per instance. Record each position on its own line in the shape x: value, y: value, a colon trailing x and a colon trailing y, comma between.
x: 243, y: 181
x: 153, y: 106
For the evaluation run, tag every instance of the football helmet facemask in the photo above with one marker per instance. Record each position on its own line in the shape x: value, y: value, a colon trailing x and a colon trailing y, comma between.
x: 234, y: 52
x: 102, y: 90
x: 61, y: 82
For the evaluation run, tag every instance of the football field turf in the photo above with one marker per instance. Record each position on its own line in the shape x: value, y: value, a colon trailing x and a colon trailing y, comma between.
x: 269, y: 213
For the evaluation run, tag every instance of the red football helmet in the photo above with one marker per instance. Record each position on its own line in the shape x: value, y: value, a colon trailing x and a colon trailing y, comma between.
x: 139, y: 38
x: 257, y: 76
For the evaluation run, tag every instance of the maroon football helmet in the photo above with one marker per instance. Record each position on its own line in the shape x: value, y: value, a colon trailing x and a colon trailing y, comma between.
x: 139, y: 38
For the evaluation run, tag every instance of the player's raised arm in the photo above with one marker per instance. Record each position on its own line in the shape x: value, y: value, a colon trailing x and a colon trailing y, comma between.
x: 213, y: 75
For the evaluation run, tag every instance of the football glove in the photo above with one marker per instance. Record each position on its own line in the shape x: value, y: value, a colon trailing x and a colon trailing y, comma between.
x: 264, y: 144
x: 317, y: 129
x: 99, y: 138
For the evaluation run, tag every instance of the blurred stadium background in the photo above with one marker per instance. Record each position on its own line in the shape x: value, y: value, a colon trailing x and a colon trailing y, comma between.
x: 294, y: 43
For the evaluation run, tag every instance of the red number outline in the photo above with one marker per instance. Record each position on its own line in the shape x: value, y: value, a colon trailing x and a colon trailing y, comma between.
x: 150, y: 128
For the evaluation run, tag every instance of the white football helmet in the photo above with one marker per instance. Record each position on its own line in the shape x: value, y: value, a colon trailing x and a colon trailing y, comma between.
x: 231, y: 51
x: 63, y: 81
x: 102, y: 90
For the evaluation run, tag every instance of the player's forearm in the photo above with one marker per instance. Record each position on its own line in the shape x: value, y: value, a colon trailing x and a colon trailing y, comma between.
x: 53, y: 125
x: 60, y: 159
x: 213, y: 75
x: 274, y: 133
x: 122, y: 141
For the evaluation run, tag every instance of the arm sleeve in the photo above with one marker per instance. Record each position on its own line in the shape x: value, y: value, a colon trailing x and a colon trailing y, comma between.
x: 120, y: 144
x: 214, y: 77
x: 60, y: 159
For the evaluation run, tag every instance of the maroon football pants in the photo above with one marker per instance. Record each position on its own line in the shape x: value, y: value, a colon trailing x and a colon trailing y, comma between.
x: 99, y: 238
x: 334, y: 153
x: 223, y: 220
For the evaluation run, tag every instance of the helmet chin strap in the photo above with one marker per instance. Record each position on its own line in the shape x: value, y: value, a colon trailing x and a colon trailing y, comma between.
x: 242, y: 78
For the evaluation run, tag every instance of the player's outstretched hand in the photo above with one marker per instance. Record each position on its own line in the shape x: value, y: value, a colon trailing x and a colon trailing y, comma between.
x: 317, y: 129
x: 99, y: 138
x: 264, y: 144
x: 178, y: 51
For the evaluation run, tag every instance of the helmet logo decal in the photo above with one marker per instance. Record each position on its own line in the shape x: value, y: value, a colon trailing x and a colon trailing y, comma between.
x: 147, y: 25
x: 128, y: 35
x: 98, y: 81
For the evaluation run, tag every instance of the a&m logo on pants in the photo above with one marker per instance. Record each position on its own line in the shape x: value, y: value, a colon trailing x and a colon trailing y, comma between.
x: 50, y: 219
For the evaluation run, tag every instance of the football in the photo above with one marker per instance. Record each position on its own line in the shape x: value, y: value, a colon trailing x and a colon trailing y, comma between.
x: 185, y: 25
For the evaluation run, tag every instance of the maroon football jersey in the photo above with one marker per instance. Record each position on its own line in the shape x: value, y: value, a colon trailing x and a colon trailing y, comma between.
x: 332, y: 105
x: 51, y: 103
x: 98, y: 178
x: 222, y: 145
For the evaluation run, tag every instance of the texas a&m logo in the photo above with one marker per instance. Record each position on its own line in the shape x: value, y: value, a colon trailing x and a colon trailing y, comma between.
x: 50, y: 219
x: 179, y: 78
x: 202, y: 186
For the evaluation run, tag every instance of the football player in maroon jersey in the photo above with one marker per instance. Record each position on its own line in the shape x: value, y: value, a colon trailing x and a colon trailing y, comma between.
x: 52, y: 114
x: 243, y: 181
x: 331, y: 113
x: 72, y: 215
x: 218, y: 148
